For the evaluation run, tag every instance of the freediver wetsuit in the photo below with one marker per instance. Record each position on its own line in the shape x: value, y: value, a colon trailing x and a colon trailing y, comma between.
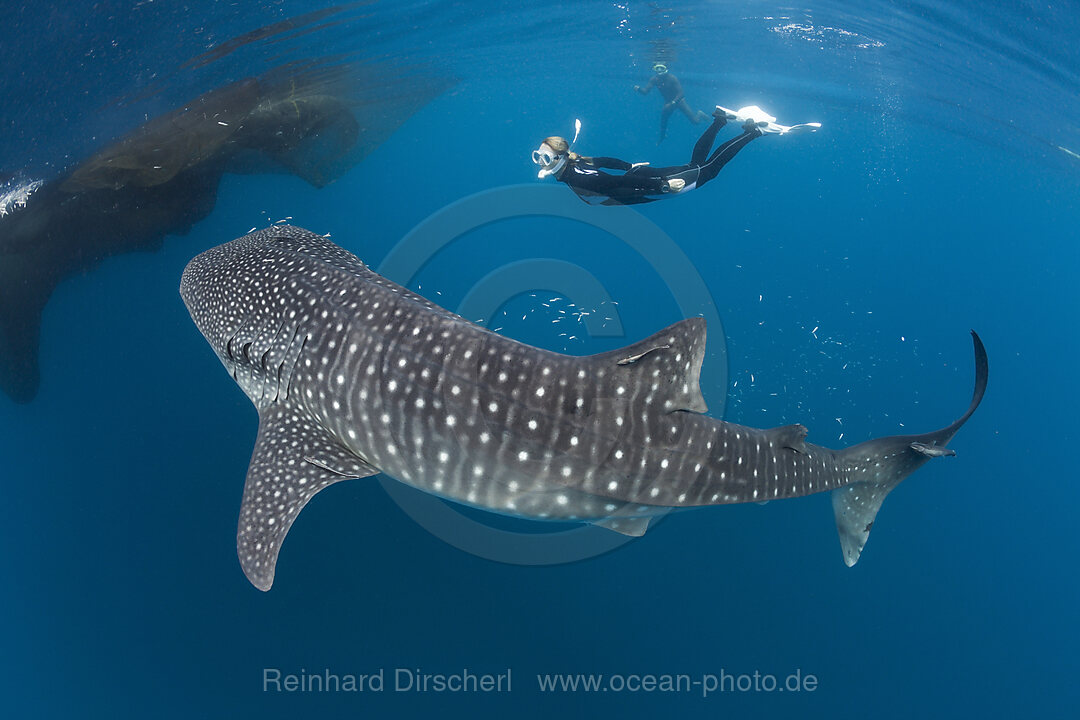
x: 644, y: 184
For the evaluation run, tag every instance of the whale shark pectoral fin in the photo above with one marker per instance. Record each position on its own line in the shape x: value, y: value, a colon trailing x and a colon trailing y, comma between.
x: 670, y: 359
x: 294, y: 458
x: 630, y: 526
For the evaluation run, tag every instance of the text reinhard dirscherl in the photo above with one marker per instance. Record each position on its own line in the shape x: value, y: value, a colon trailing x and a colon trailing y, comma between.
x: 396, y: 680
x: 415, y: 680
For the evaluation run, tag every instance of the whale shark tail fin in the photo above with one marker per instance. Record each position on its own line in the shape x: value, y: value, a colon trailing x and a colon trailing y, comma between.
x: 885, y: 462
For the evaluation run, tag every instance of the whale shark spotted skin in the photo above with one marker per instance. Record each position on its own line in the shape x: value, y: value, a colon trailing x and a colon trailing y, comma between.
x: 354, y: 375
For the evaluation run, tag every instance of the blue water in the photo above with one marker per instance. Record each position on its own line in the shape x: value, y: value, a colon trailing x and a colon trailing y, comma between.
x: 846, y: 268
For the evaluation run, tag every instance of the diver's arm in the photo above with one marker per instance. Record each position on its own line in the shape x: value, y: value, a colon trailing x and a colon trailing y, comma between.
x: 613, y: 186
x: 608, y: 163
x: 648, y: 86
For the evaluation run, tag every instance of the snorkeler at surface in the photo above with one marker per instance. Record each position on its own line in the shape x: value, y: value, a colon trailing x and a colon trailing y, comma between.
x: 671, y: 90
x: 640, y: 183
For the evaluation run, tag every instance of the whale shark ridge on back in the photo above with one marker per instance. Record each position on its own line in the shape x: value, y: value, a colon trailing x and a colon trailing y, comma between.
x: 354, y: 375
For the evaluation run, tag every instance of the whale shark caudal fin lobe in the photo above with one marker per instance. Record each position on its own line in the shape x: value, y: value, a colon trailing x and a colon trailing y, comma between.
x: 885, y: 462
x: 294, y: 458
x: 855, y: 507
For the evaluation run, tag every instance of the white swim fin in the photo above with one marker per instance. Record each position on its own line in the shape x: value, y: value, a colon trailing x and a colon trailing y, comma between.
x: 728, y: 114
x: 766, y: 123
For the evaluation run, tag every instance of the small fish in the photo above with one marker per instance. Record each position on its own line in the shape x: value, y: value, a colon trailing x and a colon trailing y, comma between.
x: 932, y: 451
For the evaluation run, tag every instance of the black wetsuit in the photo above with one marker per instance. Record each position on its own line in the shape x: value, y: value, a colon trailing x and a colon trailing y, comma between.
x: 644, y: 184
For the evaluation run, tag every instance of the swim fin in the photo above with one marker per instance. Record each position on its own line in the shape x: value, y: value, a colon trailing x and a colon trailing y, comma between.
x: 765, y: 122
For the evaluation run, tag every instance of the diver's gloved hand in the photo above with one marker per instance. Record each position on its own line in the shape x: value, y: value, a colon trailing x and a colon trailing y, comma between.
x: 674, y: 185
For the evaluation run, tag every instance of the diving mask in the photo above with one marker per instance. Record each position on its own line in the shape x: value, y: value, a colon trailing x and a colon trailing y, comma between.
x: 550, y: 162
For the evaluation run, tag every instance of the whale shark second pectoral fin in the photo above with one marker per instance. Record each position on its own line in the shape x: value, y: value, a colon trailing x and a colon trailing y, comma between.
x: 294, y: 458
x: 629, y: 526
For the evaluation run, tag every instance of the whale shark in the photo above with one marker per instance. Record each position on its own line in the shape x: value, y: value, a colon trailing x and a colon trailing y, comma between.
x: 162, y: 177
x: 354, y: 375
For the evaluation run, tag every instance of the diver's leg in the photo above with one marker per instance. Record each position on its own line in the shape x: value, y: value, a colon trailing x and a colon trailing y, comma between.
x: 724, y: 153
x: 694, y: 116
x: 705, y: 142
x: 665, y: 115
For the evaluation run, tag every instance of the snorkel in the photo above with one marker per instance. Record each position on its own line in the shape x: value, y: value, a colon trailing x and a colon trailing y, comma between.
x: 550, y: 160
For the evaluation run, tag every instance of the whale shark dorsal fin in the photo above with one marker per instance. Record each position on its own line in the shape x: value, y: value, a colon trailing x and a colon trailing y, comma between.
x: 294, y: 458
x: 792, y: 437
x: 670, y: 359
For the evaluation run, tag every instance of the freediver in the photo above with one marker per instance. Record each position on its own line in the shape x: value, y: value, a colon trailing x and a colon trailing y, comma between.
x: 640, y: 183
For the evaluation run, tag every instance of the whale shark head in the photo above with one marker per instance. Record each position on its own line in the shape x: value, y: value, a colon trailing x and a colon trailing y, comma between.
x: 258, y: 299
